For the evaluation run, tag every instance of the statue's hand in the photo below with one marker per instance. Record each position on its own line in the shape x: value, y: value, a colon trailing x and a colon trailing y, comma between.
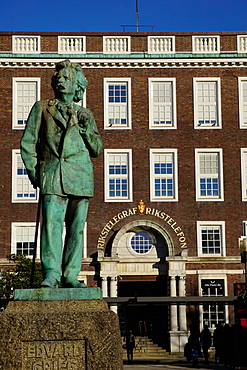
x: 33, y: 179
x: 83, y: 119
x: 35, y: 183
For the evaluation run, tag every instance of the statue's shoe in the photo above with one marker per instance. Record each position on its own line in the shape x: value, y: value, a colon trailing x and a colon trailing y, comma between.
x: 49, y: 282
x: 74, y: 284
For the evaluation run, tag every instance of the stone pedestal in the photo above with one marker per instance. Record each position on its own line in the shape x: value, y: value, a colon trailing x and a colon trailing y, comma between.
x: 59, y: 334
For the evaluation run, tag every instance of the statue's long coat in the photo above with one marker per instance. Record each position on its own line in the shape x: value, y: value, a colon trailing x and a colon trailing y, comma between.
x: 56, y: 150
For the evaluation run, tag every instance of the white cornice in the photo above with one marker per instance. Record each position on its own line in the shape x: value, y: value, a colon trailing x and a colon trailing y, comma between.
x: 127, y: 63
x: 226, y: 259
x: 214, y: 273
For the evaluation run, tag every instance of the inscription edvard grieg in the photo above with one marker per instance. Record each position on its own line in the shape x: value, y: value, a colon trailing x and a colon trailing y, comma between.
x: 53, y: 355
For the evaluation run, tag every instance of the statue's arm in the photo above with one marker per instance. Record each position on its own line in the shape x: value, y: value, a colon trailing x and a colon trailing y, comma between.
x: 29, y: 143
x: 89, y: 132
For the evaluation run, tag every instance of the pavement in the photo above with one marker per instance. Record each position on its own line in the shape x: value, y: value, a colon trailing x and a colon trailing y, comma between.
x: 170, y: 363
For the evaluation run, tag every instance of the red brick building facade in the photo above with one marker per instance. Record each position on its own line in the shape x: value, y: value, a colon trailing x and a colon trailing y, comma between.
x: 171, y: 109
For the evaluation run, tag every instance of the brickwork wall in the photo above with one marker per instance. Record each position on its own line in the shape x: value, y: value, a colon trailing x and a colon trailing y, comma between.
x: 5, y: 43
x: 183, y: 44
x: 94, y: 44
x: 139, y: 44
x: 49, y: 44
x: 228, y: 43
x: 187, y: 210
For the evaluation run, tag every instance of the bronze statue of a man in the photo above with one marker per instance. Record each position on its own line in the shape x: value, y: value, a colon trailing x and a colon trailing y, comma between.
x: 59, y: 139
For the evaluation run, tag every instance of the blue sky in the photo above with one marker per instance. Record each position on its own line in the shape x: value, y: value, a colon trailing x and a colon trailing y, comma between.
x: 109, y: 15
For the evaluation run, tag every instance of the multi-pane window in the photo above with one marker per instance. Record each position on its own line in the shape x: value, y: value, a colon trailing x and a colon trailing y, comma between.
x: 162, y: 103
x: 141, y: 242
x: 25, y: 94
x: 117, y: 103
x: 163, y: 174
x: 23, y: 235
x: 242, y: 102
x: 211, y: 238
x: 118, y: 175
x: 209, y: 174
x: 22, y: 189
x: 213, y: 314
x: 207, y: 112
x: 244, y: 173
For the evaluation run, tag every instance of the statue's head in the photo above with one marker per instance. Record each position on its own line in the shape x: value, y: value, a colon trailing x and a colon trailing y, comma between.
x: 76, y: 74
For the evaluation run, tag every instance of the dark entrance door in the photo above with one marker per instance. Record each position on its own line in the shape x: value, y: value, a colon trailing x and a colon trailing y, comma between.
x: 145, y: 319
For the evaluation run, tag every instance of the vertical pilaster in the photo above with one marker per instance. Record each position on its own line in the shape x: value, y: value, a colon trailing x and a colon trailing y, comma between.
x: 113, y: 291
x: 182, y: 308
x: 173, y: 307
x: 104, y: 286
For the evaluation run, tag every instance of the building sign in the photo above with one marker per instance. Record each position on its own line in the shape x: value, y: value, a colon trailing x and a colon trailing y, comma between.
x: 142, y: 209
x: 218, y: 283
x: 214, y: 287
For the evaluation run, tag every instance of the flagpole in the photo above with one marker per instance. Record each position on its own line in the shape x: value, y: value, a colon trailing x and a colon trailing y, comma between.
x: 137, y: 16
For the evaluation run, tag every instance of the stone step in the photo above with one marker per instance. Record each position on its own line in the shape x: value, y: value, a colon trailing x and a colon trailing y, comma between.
x: 146, y: 348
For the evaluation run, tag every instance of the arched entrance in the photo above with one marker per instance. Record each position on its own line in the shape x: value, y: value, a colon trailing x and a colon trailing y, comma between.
x: 138, y: 253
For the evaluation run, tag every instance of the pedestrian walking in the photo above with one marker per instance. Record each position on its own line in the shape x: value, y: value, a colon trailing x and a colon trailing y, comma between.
x: 129, y: 339
x: 218, y: 343
x: 195, y: 346
x: 205, y: 340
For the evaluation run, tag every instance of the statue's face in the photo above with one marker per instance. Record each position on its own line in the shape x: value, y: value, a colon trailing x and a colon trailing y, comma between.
x: 65, y: 82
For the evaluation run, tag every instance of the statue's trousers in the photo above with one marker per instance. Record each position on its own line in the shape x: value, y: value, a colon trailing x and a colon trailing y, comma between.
x: 56, y: 210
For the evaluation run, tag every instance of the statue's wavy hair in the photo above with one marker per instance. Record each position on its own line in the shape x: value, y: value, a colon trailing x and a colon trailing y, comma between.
x: 79, y: 75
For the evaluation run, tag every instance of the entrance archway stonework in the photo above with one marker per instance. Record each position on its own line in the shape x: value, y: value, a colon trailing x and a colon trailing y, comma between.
x: 163, y: 248
x: 121, y: 262
x: 163, y: 219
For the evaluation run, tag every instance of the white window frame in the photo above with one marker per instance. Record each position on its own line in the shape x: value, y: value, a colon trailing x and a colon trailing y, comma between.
x: 173, y: 125
x: 169, y: 39
x: 84, y: 254
x: 244, y: 173
x: 198, y: 152
x: 115, y: 81
x: 221, y: 225
x: 216, y: 80
x: 82, y: 277
x: 128, y: 153
x: 15, y: 199
x: 83, y: 102
x: 15, y: 82
x: 212, y: 275
x: 14, y: 227
x: 25, y: 37
x: 174, y: 176
x: 116, y: 39
x: 242, y: 80
x: 60, y: 40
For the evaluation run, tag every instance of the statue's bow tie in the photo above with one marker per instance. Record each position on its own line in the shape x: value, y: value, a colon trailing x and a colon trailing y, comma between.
x: 66, y: 109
